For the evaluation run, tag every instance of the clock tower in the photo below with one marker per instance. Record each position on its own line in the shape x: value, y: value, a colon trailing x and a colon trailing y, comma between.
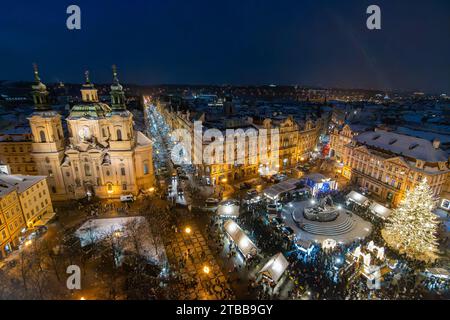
x: 48, y: 138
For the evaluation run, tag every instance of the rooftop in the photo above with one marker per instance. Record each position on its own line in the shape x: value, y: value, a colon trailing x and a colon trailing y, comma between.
x: 20, y: 182
x: 403, y: 145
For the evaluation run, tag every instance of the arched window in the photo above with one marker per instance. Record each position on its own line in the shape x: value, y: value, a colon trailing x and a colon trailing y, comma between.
x: 119, y: 135
x: 87, y: 169
x: 42, y: 136
x: 145, y: 168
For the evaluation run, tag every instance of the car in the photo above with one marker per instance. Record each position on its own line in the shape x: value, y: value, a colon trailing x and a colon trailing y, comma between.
x: 252, y: 193
x: 277, y: 222
x: 288, y: 232
x: 271, y: 216
x: 127, y: 198
x: 211, y: 204
x: 279, y: 178
x: 274, y: 207
x: 162, y: 170
x: 244, y: 186
x: 252, y: 200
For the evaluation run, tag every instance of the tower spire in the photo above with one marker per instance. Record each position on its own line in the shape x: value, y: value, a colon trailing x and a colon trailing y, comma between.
x: 86, y: 75
x: 36, y: 73
x: 88, y: 91
x: 115, y: 79
x: 117, y: 94
x: 40, y: 93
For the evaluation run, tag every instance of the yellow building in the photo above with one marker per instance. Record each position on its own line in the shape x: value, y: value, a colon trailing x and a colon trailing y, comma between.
x: 34, y: 197
x: 24, y: 203
x: 388, y: 164
x: 295, y: 141
x: 15, y: 151
x: 339, y: 138
x: 104, y: 155
x: 11, y: 218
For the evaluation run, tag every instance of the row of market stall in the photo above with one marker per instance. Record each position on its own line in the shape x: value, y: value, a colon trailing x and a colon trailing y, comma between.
x: 374, y: 207
x: 312, y: 184
x: 273, y: 270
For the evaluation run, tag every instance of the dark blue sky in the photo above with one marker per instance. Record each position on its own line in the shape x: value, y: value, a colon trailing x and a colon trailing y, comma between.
x: 310, y: 42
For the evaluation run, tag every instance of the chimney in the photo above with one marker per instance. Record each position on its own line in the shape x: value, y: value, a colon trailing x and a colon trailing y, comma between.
x: 436, y: 143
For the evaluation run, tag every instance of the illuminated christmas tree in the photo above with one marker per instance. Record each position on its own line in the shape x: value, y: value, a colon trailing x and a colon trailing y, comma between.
x: 412, y: 227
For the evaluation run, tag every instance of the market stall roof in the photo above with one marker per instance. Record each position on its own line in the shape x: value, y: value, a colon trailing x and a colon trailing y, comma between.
x: 357, y: 197
x: 274, y: 191
x: 245, y: 245
x: 438, y: 273
x: 275, y: 267
x: 228, y: 208
x: 380, y: 210
x: 304, y: 245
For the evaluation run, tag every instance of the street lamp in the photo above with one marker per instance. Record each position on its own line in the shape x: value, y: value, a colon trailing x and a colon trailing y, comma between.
x: 188, y: 230
x: 206, y: 269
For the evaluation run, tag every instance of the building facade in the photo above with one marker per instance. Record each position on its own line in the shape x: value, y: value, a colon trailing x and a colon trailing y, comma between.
x: 103, y: 154
x: 294, y: 142
x: 24, y: 203
x: 11, y: 218
x: 339, y: 138
x: 388, y: 164
x: 15, y: 151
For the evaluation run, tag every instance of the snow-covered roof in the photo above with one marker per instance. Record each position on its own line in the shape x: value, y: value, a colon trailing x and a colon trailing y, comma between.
x: 279, y: 188
x: 245, y: 245
x: 96, y: 230
x: 228, y: 208
x: 142, y: 139
x: 275, y: 267
x: 380, y: 210
x: 20, y: 182
x: 357, y: 197
x: 402, y: 145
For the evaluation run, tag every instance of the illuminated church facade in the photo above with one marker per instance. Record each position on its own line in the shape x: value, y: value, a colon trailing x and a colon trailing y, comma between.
x: 103, y: 154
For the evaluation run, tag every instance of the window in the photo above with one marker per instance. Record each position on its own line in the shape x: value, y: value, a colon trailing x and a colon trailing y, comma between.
x: 87, y: 170
x: 145, y: 168
x: 42, y: 136
x: 119, y: 135
x: 53, y: 189
x: 122, y: 171
x: 124, y: 186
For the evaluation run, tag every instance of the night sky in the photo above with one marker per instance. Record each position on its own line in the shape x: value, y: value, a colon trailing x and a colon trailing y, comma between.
x: 307, y: 42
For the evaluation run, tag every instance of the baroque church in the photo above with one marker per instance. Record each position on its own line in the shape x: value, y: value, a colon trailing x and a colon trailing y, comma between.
x: 103, y: 155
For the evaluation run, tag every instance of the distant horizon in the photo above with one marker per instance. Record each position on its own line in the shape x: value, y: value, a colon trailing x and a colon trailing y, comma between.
x: 320, y: 43
x: 232, y: 85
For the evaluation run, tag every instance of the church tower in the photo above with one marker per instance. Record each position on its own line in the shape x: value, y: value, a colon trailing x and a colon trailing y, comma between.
x: 88, y: 91
x: 117, y: 94
x: 48, y: 138
x: 121, y: 119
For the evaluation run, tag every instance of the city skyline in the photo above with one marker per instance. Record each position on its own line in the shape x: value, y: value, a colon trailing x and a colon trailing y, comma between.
x: 303, y: 43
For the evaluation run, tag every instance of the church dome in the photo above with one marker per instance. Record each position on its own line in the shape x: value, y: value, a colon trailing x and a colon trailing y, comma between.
x: 91, y: 110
